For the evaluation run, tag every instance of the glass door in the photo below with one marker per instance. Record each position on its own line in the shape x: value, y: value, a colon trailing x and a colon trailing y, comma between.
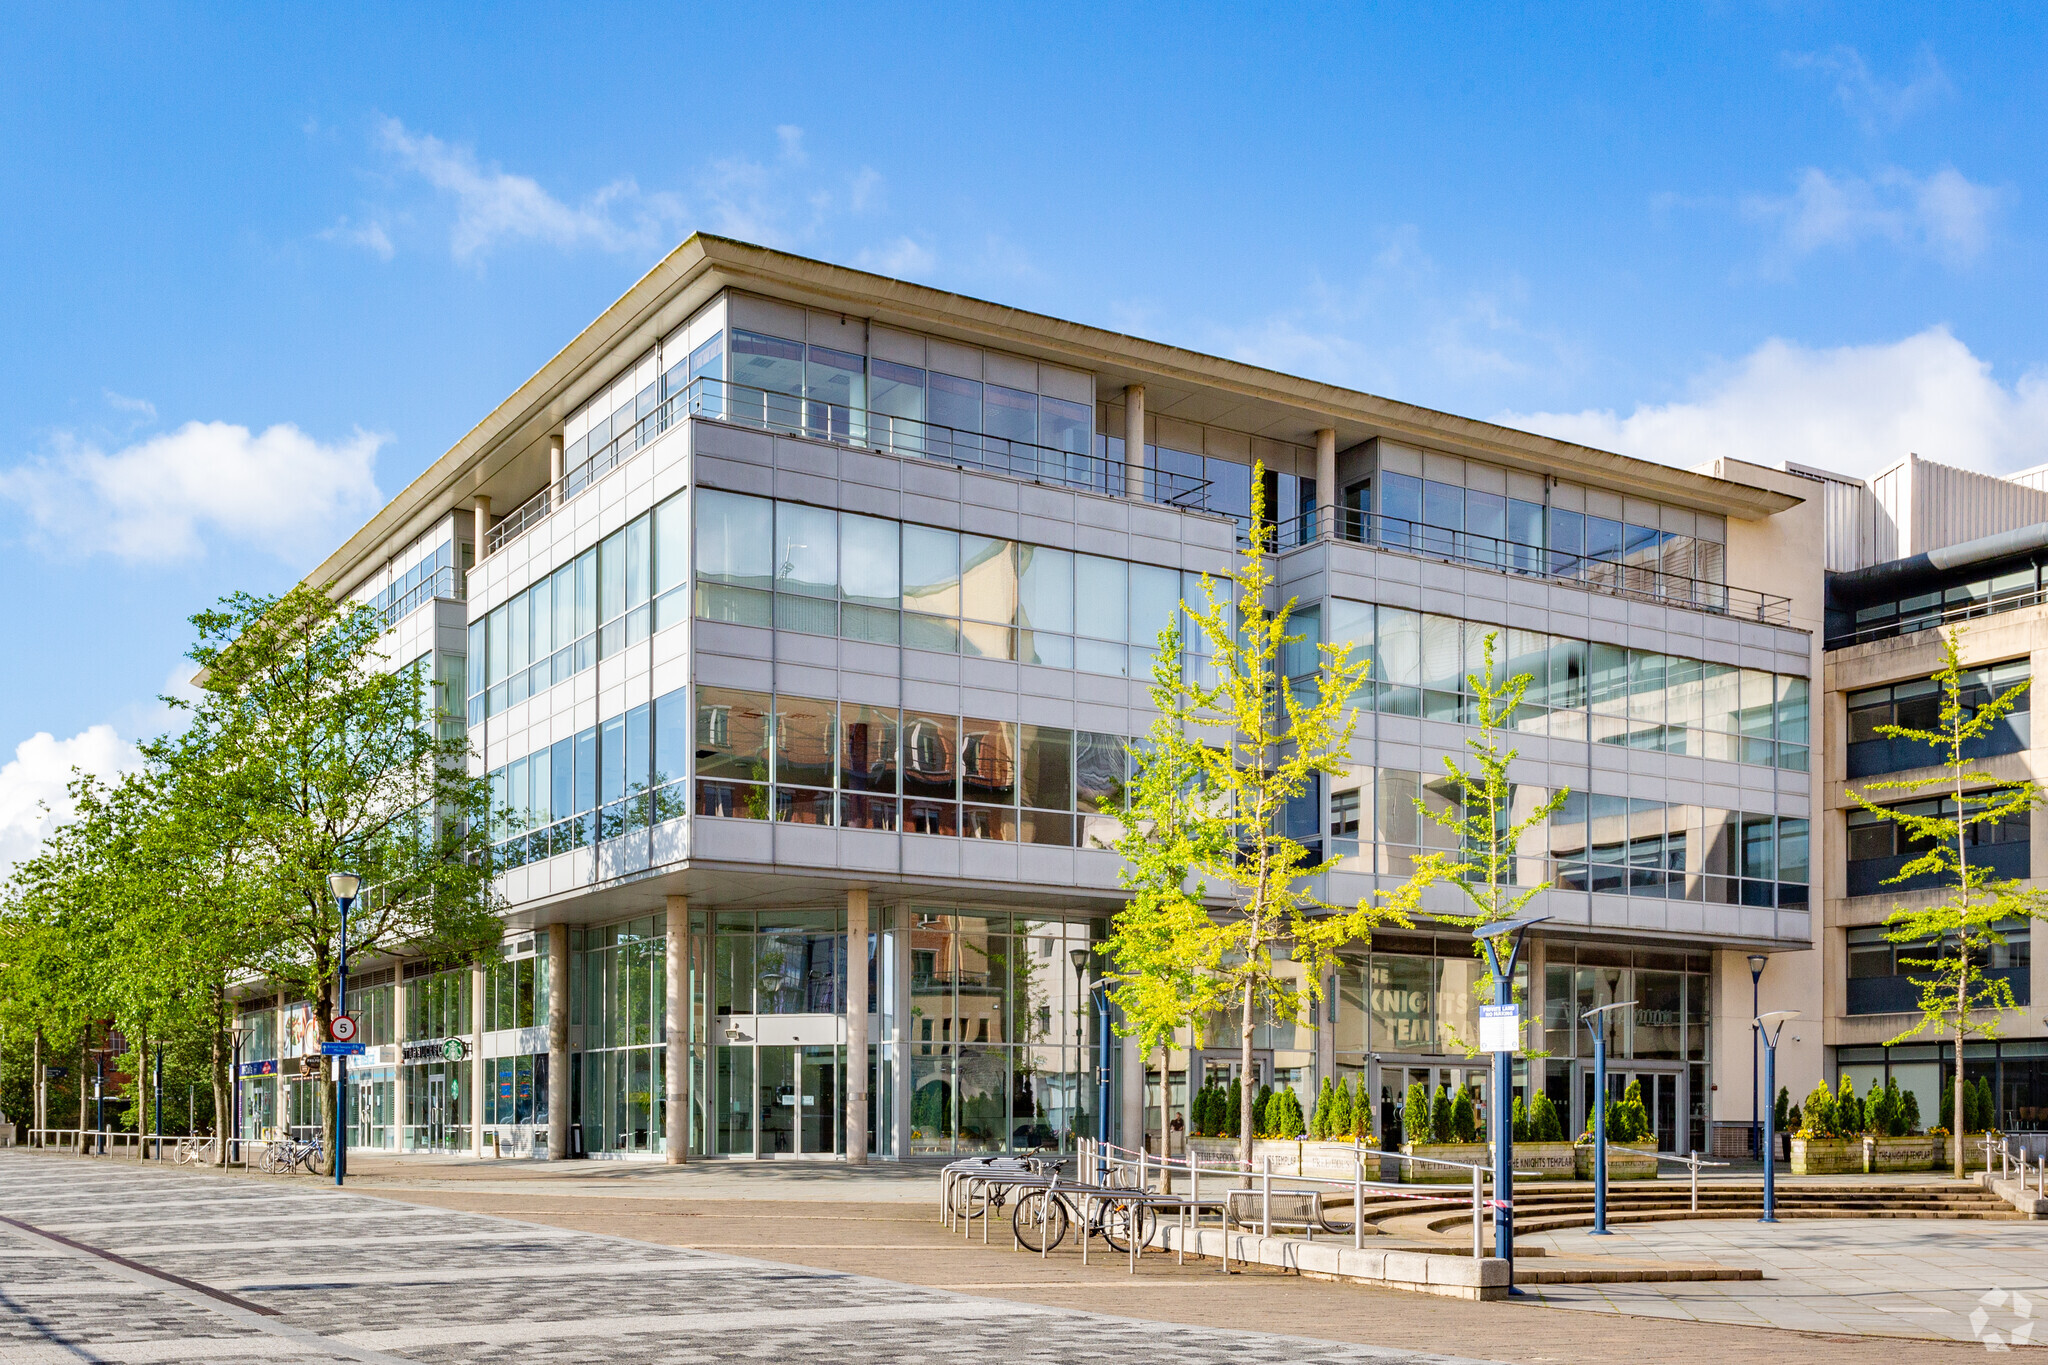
x: 735, y: 1113
x: 437, y: 1112
x: 818, y: 1108
x: 775, y: 1086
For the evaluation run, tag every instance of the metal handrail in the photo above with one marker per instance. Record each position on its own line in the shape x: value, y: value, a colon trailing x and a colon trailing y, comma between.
x: 841, y: 424
x: 1603, y: 573
x: 1919, y: 621
x: 441, y: 583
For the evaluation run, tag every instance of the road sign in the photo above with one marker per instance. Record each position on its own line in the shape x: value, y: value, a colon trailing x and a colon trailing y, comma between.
x: 341, y: 1049
x: 1500, y: 1028
x: 56, y: 1073
x: 344, y: 1028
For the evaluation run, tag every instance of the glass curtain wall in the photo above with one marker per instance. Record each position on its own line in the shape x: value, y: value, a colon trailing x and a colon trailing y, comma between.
x: 619, y: 1000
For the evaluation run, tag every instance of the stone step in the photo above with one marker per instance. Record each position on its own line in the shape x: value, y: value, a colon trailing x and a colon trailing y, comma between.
x: 1628, y: 1274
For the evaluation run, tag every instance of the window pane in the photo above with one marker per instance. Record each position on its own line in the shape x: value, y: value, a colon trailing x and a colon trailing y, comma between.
x: 988, y: 580
x: 867, y: 749
x: 988, y: 761
x: 803, y: 741
x: 955, y: 402
x: 806, y: 550
x: 1046, y: 772
x: 835, y: 377
x: 732, y: 734
x: 671, y: 739
x: 1792, y: 709
x: 735, y: 539
x: 611, y: 760
x: 929, y: 743
x: 868, y: 560
x: 1099, y: 767
x: 1398, y: 648
x: 763, y: 362
x: 1010, y: 413
x: 1045, y: 589
x: 1065, y: 426
x: 1100, y: 596
x: 931, y: 571
x: 1155, y: 602
x: 896, y: 391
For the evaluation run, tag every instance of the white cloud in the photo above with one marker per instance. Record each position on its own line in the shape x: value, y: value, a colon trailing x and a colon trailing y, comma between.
x: 33, y: 800
x: 161, y: 498
x: 902, y: 258
x: 141, y: 408
x: 494, y: 206
x: 1853, y: 409
x: 370, y: 236
x: 1876, y: 104
x: 1945, y: 214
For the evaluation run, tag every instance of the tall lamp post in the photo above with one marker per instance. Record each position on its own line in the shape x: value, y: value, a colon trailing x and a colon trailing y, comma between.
x: 1768, y: 1027
x: 1756, y: 976
x: 222, y: 1129
x: 1596, y: 1020
x: 1490, y: 937
x: 344, y: 886
x: 1079, y: 957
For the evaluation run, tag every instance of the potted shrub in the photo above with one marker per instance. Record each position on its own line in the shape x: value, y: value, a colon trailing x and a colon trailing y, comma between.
x: 1821, y: 1146
x: 1891, y: 1144
x: 1451, y: 1133
x: 1631, y: 1146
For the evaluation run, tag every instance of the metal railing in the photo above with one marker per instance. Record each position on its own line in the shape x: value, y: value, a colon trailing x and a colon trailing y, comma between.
x: 110, y: 1142
x: 840, y: 424
x: 1935, y: 619
x: 441, y: 583
x: 1614, y: 575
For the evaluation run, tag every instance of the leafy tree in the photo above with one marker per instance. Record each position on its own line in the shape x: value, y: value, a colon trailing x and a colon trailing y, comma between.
x: 1957, y: 934
x: 1849, y: 1116
x: 1235, y: 744
x: 1485, y: 824
x: 334, y: 762
x: 1440, y: 1115
x: 1781, y: 1112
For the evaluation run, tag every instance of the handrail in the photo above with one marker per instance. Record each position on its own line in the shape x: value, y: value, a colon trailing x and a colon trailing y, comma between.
x: 1609, y: 574
x: 1934, y: 620
x: 842, y: 424
x: 441, y: 583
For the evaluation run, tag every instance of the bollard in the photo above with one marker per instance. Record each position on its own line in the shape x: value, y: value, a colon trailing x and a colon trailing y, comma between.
x: 1694, y: 1161
x: 1357, y: 1199
x: 1266, y: 1197
x: 1478, y: 1238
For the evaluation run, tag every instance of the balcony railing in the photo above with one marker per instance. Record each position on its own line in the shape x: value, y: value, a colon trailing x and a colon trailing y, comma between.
x: 1935, y: 617
x: 1617, y: 576
x: 441, y: 583
x: 817, y: 420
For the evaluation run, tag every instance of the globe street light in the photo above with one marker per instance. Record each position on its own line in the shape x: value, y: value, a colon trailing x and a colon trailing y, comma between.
x: 1768, y: 1027
x: 1596, y: 1021
x: 344, y: 886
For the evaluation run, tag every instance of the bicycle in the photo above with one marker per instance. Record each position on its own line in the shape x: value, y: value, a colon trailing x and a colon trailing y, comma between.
x: 1043, y: 1216
x: 195, y: 1150
x: 995, y: 1195
x: 286, y: 1154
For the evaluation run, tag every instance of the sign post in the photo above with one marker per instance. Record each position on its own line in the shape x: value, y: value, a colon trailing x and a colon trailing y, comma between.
x: 1500, y: 1032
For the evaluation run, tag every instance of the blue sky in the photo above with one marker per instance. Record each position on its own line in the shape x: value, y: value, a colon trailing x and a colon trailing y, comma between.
x: 261, y: 266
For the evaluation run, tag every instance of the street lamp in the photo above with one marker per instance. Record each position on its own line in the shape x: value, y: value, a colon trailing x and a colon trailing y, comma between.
x: 236, y: 1032
x: 344, y: 886
x: 1596, y: 1021
x: 1756, y: 973
x: 1768, y: 1027
x: 1079, y: 957
x: 1490, y: 937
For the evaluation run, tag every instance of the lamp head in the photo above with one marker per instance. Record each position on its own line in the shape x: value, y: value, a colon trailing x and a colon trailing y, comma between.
x: 1772, y: 1022
x: 1603, y: 1009
x: 1079, y: 957
x: 344, y: 885
x: 1756, y: 965
x: 1498, y: 928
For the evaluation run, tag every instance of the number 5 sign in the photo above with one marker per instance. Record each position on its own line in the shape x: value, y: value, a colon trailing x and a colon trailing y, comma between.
x: 344, y: 1029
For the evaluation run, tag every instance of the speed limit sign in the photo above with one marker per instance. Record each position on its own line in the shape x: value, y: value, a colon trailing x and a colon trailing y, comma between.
x: 344, y: 1029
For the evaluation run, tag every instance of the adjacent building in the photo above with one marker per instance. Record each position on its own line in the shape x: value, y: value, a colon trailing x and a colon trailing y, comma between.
x: 800, y: 619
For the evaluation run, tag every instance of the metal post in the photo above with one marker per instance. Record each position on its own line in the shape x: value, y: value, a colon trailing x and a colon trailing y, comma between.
x: 1266, y: 1196
x: 1504, y: 1125
x: 1756, y: 976
x: 158, y: 1087
x: 99, y: 1103
x: 1101, y: 1079
x: 341, y: 1063
x: 1478, y: 1199
x: 1357, y: 1199
x: 1770, y: 1134
x: 1600, y: 1129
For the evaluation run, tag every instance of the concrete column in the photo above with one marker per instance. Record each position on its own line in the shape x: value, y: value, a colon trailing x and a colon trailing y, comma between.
x: 482, y: 512
x: 1131, y: 1106
x: 554, y: 460
x: 281, y: 1114
x: 476, y: 1059
x: 1134, y: 440
x: 558, y: 1042
x: 1326, y: 482
x: 401, y: 1092
x: 856, y: 1083
x: 677, y: 963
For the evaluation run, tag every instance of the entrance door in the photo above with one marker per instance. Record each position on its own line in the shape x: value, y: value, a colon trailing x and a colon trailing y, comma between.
x: 1663, y: 1109
x: 776, y: 1100
x: 437, y: 1112
x: 365, y: 1114
x: 818, y: 1101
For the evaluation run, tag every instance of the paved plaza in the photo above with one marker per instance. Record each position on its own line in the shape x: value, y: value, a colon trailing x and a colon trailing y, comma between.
x: 223, y: 1270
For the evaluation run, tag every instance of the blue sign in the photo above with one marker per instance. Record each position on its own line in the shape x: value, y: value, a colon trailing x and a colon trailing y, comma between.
x: 341, y: 1049
x: 259, y: 1068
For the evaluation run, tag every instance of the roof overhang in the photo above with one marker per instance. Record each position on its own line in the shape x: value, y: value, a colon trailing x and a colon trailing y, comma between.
x: 1178, y: 383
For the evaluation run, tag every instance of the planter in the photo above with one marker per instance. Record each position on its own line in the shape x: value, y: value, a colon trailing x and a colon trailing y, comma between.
x: 1625, y: 1160
x: 1466, y: 1153
x: 1546, y: 1160
x: 1899, y: 1154
x: 1826, y: 1156
x: 1973, y: 1152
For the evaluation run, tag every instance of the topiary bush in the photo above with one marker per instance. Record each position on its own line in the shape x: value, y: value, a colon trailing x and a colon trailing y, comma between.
x: 1850, y: 1119
x: 1781, y: 1112
x: 1233, y: 1110
x: 1415, y: 1115
x: 1821, y: 1118
x: 1339, y: 1126
x: 1464, y: 1119
x: 1544, y: 1122
x: 1440, y: 1116
x: 1520, y: 1121
x: 1909, y: 1110
x: 1326, y: 1105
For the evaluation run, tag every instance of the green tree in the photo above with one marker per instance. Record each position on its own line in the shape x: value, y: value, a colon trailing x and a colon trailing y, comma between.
x: 1781, y: 1111
x: 1957, y: 934
x: 1440, y: 1115
x: 1849, y: 1116
x: 331, y: 761
x: 1415, y: 1115
x: 1487, y: 823
x: 1822, y: 1114
x: 1235, y: 743
x: 1464, y: 1120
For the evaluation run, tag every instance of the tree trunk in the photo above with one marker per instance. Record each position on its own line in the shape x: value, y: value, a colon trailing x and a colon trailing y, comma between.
x: 39, y: 1097
x: 1166, y: 1100
x: 84, y: 1045
x: 1962, y: 1020
x: 1248, y: 1092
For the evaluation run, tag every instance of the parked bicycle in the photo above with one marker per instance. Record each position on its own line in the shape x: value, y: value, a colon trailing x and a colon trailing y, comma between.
x: 286, y: 1154
x: 1043, y: 1217
x: 196, y: 1150
x: 994, y: 1196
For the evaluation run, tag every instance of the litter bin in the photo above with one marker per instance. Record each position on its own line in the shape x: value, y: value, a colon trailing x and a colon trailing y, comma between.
x: 576, y: 1140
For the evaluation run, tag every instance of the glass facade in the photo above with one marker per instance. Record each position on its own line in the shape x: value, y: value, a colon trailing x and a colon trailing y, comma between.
x: 618, y: 999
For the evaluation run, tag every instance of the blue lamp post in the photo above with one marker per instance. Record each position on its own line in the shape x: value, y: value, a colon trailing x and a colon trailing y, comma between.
x: 1768, y: 1027
x: 1596, y: 1020
x: 1756, y: 977
x: 344, y: 885
x: 1101, y: 994
x: 1491, y: 937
